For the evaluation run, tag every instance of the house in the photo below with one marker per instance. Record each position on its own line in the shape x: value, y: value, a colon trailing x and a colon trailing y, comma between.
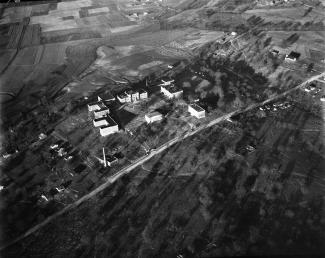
x: 153, y: 117
x: 293, y: 56
x: 171, y: 91
x: 124, y: 97
x: 109, y: 127
x: 196, y: 110
x: 143, y: 94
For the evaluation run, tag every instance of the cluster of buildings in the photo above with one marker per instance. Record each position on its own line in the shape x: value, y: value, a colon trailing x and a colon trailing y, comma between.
x: 132, y: 96
x: 102, y: 119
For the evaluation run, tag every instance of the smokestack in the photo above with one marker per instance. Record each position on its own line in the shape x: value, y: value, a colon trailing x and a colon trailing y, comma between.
x: 104, y: 157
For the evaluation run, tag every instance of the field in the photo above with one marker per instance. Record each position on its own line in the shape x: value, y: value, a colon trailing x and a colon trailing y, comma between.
x: 297, y: 14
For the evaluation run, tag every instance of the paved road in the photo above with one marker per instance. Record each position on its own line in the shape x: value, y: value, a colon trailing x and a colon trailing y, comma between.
x: 153, y: 153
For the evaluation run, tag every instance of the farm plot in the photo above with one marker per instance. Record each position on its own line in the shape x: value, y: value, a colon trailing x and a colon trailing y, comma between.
x: 32, y: 36
x: 4, y: 35
x: 26, y: 56
x: 40, y: 9
x: 14, y: 78
x: 5, y: 57
x: 287, y: 14
x: 54, y: 54
x: 15, y: 14
x: 72, y: 34
x: 15, y: 34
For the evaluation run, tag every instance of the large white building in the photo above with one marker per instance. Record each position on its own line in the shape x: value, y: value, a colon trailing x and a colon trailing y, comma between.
x: 109, y: 128
x: 171, y: 91
x: 196, y: 110
x: 153, y: 117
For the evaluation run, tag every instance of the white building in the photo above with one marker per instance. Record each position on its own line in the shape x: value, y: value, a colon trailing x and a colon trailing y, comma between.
x: 124, y: 97
x: 109, y: 128
x: 101, y: 113
x: 196, y: 111
x: 153, y: 117
x: 134, y: 95
x: 93, y: 106
x: 171, y: 91
x: 143, y: 94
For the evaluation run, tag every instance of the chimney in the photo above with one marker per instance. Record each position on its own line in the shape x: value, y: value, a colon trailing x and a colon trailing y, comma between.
x: 104, y: 158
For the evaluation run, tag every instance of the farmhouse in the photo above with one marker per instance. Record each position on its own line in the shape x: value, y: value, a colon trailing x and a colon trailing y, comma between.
x: 293, y: 56
x: 171, y: 91
x: 152, y: 117
x: 107, y: 159
x: 196, y: 110
x: 107, y: 127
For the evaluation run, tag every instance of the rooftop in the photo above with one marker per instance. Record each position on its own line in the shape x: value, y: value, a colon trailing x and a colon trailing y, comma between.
x: 197, y: 107
x: 110, y: 158
x: 293, y: 55
x: 172, y: 88
x: 110, y: 122
x: 153, y: 114
x: 106, y: 96
x: 142, y: 91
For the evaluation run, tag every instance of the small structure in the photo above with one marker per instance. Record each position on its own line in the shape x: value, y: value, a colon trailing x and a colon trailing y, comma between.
x: 42, y: 136
x: 124, y: 97
x: 153, y: 117
x: 322, y: 99
x: 109, y: 128
x: 293, y: 56
x: 166, y: 83
x: 143, y: 94
x: 107, y: 160
x: 196, y: 110
x: 171, y: 91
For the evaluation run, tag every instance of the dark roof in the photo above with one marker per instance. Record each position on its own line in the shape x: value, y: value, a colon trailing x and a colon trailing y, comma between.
x: 172, y: 88
x: 142, y: 91
x: 293, y: 55
x: 110, y: 122
x: 110, y: 158
x: 107, y: 96
x: 197, y: 107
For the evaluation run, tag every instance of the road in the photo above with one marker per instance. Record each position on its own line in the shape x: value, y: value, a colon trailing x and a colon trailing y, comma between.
x: 153, y: 153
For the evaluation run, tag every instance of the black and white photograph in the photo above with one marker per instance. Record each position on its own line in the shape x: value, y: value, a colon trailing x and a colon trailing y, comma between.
x: 162, y: 128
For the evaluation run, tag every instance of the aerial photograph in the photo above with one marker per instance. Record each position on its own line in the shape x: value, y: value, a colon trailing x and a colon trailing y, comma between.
x: 162, y: 128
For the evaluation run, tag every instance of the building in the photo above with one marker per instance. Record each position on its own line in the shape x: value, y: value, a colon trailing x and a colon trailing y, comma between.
x: 293, y: 56
x: 171, y: 91
x: 134, y: 95
x: 153, y: 117
x: 143, y: 94
x: 99, y: 122
x: 124, y: 97
x: 93, y: 106
x: 107, y: 159
x: 196, y: 110
x: 101, y: 112
x: 109, y: 128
